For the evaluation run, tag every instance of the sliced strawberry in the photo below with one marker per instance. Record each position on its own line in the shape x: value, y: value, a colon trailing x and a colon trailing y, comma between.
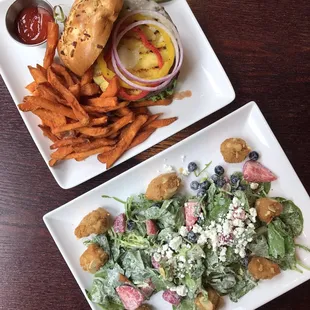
x: 151, y: 228
x: 171, y: 297
x: 131, y: 297
x: 148, y: 288
x: 253, y: 171
x: 190, y: 211
x: 120, y: 223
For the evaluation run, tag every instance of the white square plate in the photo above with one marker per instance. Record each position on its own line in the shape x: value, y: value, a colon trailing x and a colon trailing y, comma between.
x: 247, y: 123
x: 201, y: 73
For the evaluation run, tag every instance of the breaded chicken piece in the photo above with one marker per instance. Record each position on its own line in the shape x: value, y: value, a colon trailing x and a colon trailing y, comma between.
x: 262, y: 268
x: 96, y: 222
x: 212, y: 302
x: 93, y: 258
x: 144, y: 307
x: 234, y: 150
x: 163, y: 187
x: 267, y: 209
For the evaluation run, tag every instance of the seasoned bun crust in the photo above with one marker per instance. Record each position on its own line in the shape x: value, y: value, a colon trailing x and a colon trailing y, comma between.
x: 86, y: 32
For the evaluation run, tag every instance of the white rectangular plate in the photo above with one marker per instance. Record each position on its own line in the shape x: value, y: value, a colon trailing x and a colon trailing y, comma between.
x: 201, y: 73
x: 247, y: 123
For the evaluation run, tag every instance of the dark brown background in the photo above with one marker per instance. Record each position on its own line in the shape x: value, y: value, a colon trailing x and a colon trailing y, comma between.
x: 264, y: 47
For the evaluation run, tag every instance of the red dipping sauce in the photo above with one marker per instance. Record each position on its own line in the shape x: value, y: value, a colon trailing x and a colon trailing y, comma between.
x: 32, y: 23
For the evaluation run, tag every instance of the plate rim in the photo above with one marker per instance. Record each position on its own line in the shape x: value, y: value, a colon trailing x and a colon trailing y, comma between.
x: 230, y: 96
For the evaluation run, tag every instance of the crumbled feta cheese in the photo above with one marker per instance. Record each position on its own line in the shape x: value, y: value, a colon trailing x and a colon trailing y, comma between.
x: 238, y: 223
x: 188, y: 246
x: 157, y: 257
x: 236, y: 202
x: 169, y: 254
x: 183, y: 231
x: 185, y: 172
x: 254, y: 186
x: 182, y: 259
x: 168, y: 168
x: 202, y: 239
x: 181, y: 290
x: 222, y: 255
x: 165, y: 247
x: 175, y: 243
x: 197, y: 229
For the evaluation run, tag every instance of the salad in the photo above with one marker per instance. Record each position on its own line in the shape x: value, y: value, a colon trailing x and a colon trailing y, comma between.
x: 223, y: 238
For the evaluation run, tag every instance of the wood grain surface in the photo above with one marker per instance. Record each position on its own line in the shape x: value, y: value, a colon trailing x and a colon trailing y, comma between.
x: 264, y: 46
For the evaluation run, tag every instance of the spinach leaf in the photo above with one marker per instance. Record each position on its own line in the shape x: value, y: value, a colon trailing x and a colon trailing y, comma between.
x: 166, y: 234
x: 192, y: 286
x: 243, y: 198
x: 245, y: 284
x: 259, y: 246
x: 211, y: 192
x: 186, y: 304
x: 223, y: 283
x: 275, y: 242
x: 159, y: 283
x: 291, y: 216
x: 220, y: 206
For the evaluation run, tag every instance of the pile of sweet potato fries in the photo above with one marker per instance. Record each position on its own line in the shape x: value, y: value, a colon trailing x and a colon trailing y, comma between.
x: 79, y: 119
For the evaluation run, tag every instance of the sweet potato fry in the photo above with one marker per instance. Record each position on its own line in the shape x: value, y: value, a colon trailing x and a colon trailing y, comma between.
x: 103, y: 102
x: 149, y: 103
x: 37, y: 75
x: 94, y: 122
x: 159, y: 123
x: 47, y: 133
x: 140, y: 110
x: 32, y: 103
x: 122, y: 111
x: 31, y: 87
x: 42, y: 69
x: 111, y: 157
x: 114, y: 135
x: 52, y: 40
x: 62, y: 152
x: 76, y: 90
x: 67, y: 142
x: 83, y: 155
x: 92, y: 109
x: 97, y: 143
x: 141, y: 137
x: 35, y: 93
x: 90, y: 89
x: 46, y: 91
x: 74, y: 77
x: 109, y: 130
x: 50, y: 118
x: 78, y: 110
x: 152, y: 118
x: 61, y: 70
x: 52, y: 162
x: 87, y: 76
x: 112, y: 88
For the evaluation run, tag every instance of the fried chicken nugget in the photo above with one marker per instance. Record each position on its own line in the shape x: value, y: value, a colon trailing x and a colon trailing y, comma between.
x: 93, y: 258
x: 211, y: 303
x: 145, y: 307
x: 267, y: 209
x: 262, y: 268
x: 235, y: 150
x: 96, y: 222
x: 163, y: 187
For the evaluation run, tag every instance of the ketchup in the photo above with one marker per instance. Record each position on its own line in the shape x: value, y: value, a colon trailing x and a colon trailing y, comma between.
x: 32, y: 23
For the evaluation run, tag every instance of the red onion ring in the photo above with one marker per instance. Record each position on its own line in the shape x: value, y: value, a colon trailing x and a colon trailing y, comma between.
x: 177, y: 45
x: 117, y: 62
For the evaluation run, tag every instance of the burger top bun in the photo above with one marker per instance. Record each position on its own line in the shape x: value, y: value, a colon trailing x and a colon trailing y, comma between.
x: 87, y: 30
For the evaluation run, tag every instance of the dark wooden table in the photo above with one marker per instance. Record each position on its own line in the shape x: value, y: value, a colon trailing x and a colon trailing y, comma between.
x: 264, y: 47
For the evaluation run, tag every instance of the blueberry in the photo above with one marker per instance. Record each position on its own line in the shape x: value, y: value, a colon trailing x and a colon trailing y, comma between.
x: 220, y: 182
x: 214, y: 177
x: 192, y: 166
x: 192, y: 237
x: 201, y: 193
x: 254, y: 155
x: 130, y: 225
x: 194, y: 185
x: 219, y: 170
x: 156, y: 205
x: 234, y: 179
x: 204, y: 185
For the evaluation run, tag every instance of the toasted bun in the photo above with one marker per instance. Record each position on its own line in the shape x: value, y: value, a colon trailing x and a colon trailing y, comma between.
x: 86, y: 32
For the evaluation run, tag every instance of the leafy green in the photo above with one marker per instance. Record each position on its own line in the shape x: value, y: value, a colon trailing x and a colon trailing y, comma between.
x: 203, y: 170
x: 115, y: 198
x: 291, y: 216
x: 101, y: 240
x: 168, y: 92
x: 186, y: 304
x: 243, y: 198
x: 275, y: 242
x: 259, y: 246
x: 220, y: 206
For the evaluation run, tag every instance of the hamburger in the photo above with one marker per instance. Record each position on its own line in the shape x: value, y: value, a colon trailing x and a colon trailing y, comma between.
x: 134, y: 40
